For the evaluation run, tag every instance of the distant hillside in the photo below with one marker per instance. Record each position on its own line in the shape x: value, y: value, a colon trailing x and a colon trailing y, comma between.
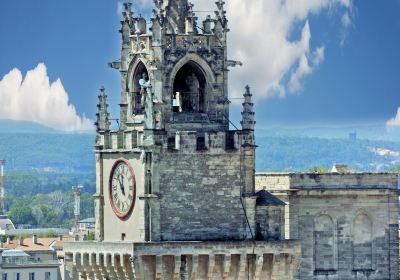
x: 289, y: 153
x: 44, y: 162
x: 11, y: 126
x: 378, y: 131
x: 47, y: 152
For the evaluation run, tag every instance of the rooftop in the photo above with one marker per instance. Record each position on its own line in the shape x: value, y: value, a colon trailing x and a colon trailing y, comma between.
x: 265, y: 198
x: 42, y: 244
x: 14, y: 253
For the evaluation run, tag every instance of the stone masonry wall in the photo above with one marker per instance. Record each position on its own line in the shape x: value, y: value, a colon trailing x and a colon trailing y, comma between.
x: 346, y: 222
x: 201, y: 197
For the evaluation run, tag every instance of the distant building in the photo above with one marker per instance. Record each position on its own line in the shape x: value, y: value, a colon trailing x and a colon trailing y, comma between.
x: 18, y: 265
x: 5, y: 224
x: 340, y: 168
x: 41, y: 256
x: 87, y: 225
x: 353, y: 136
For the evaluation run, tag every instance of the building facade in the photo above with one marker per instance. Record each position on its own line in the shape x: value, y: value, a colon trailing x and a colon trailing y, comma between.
x: 18, y: 265
x: 347, y: 222
x: 176, y: 193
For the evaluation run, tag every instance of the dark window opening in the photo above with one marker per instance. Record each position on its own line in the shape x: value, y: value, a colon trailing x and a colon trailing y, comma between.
x: 171, y: 143
x: 201, y: 143
x: 230, y: 141
x: 189, y: 89
x: 123, y: 235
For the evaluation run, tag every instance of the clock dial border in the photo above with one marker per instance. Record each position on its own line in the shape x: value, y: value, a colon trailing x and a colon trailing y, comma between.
x: 126, y: 214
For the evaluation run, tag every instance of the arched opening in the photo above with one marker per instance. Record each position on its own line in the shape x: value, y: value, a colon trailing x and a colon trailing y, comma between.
x: 139, y: 81
x: 189, y: 88
x: 324, y: 243
x: 362, y: 243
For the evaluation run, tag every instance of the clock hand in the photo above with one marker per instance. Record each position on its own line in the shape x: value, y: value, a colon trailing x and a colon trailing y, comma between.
x: 122, y: 186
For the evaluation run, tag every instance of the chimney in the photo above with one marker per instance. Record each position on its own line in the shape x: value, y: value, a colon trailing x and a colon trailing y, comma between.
x: 21, y: 241
x: 8, y: 240
x: 34, y: 239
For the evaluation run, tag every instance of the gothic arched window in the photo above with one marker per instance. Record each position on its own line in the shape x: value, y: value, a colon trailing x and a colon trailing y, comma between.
x: 362, y: 242
x: 140, y: 75
x: 189, y: 88
x: 324, y: 243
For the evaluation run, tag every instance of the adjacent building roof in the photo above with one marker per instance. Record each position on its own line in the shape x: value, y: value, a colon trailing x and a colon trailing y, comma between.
x: 265, y: 198
x: 88, y: 221
x: 42, y: 244
x: 6, y: 224
x: 14, y: 253
x: 340, y: 168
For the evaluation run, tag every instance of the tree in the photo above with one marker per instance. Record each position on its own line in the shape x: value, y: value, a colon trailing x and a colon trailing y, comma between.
x: 22, y: 215
x: 318, y: 169
x: 395, y: 169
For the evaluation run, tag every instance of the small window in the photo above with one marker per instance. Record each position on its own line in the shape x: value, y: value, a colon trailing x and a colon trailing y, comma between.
x: 230, y: 140
x: 123, y: 235
x: 17, y: 276
x: 5, y: 277
x: 47, y: 276
x: 31, y: 275
x: 171, y: 143
x: 201, y: 143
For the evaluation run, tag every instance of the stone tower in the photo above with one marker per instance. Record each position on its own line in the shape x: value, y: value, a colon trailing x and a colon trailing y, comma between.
x: 174, y: 132
x: 175, y: 194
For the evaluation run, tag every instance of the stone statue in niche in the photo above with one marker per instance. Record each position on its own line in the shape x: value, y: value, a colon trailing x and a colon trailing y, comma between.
x: 144, y: 83
x: 193, y: 84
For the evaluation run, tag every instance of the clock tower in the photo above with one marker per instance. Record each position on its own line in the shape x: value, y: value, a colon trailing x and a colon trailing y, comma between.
x: 175, y: 181
x: 173, y: 170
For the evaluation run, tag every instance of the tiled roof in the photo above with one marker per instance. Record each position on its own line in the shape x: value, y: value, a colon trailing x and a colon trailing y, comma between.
x: 88, y: 220
x: 42, y: 244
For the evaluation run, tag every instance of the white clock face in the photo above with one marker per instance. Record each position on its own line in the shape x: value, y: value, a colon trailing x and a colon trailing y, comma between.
x: 122, y: 188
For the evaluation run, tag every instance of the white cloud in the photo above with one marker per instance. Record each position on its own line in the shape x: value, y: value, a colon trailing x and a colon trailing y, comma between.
x: 394, y: 121
x: 346, y: 20
x: 260, y: 36
x: 305, y: 68
x: 34, y: 99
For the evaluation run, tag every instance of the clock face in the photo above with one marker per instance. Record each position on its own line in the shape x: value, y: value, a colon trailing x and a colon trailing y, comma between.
x: 122, y: 188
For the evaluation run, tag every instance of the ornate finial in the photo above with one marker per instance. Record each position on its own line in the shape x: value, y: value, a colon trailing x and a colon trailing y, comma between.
x: 190, y: 10
x: 158, y: 3
x: 248, y: 122
x: 221, y: 12
x: 127, y: 13
x: 103, y: 121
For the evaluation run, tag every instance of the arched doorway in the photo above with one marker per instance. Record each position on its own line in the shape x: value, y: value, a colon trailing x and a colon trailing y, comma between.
x: 189, y: 89
x: 140, y: 75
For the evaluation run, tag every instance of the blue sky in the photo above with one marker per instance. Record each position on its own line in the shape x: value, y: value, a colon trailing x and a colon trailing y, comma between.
x: 356, y: 80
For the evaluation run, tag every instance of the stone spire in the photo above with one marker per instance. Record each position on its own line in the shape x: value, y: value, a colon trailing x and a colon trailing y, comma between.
x: 174, y: 14
x: 103, y: 121
x: 127, y: 24
x: 221, y: 13
x: 190, y: 26
x: 248, y: 121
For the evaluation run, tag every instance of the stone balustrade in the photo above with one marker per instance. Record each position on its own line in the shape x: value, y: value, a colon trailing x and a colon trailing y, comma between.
x: 183, y: 260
